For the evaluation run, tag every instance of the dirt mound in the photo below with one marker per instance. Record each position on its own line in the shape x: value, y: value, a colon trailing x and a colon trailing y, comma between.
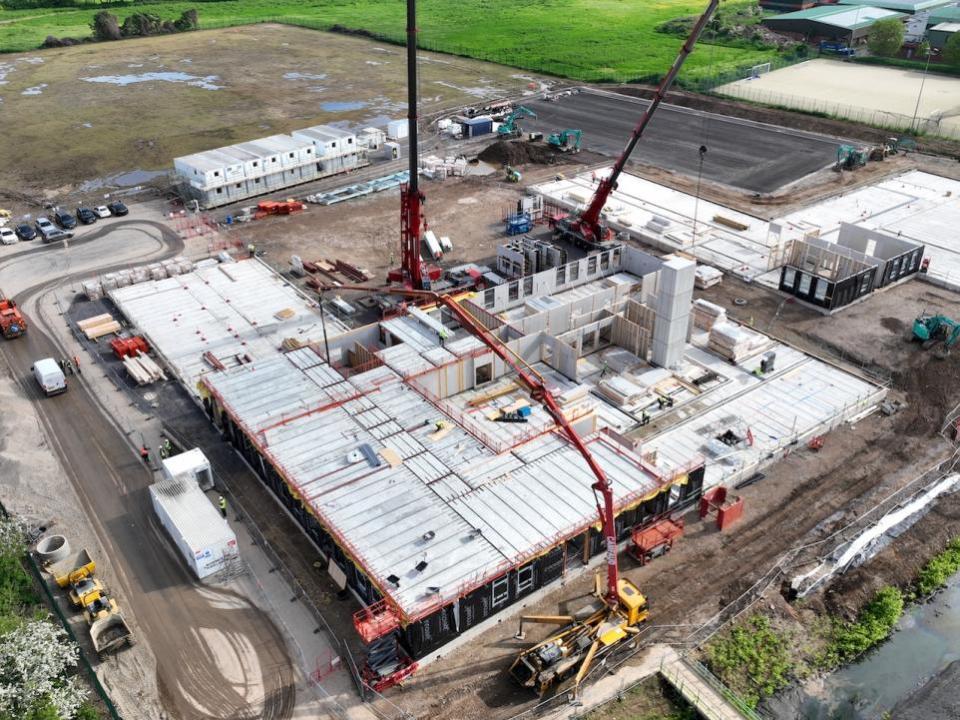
x: 518, y: 153
x: 932, y: 391
x: 894, y: 325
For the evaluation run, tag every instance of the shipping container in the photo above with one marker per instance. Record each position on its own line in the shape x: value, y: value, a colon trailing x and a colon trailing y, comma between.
x: 201, y: 535
x: 473, y: 127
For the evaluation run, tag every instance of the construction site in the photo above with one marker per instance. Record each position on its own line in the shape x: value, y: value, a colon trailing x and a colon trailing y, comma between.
x: 476, y: 412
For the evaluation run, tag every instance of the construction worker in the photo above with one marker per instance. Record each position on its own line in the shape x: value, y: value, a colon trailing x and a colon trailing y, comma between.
x: 166, y: 447
x: 603, y: 369
x: 63, y: 366
x: 222, y: 504
x: 252, y: 249
x: 443, y: 336
x: 76, y: 363
x: 145, y: 453
x: 644, y: 418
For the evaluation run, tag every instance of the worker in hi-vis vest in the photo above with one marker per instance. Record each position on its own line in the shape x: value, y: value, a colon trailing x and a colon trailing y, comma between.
x: 222, y: 502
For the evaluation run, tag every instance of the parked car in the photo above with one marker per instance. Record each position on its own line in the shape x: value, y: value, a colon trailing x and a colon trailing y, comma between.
x: 65, y: 219
x: 44, y: 226
x: 86, y: 215
x: 57, y: 235
x: 102, y: 211
x: 25, y: 232
x: 8, y: 236
x: 117, y: 208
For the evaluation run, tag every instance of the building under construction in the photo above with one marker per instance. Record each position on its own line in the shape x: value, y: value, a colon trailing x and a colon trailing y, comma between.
x: 439, y: 491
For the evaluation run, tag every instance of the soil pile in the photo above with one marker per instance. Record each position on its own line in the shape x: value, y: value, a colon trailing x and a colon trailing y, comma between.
x: 932, y: 389
x: 518, y: 153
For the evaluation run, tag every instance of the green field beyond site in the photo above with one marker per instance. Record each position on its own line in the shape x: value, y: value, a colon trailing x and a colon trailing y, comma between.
x: 591, y: 40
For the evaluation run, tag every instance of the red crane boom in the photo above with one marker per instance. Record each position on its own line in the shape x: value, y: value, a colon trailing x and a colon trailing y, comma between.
x: 530, y: 379
x: 587, y: 229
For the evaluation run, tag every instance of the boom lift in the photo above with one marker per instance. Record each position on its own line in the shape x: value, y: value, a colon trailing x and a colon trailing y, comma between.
x: 587, y: 230
x: 510, y: 128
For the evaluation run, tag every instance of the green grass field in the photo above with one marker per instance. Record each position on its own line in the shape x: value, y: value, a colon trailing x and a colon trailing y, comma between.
x: 590, y: 40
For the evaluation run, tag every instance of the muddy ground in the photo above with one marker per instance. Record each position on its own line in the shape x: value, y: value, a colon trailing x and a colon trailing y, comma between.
x: 87, y: 113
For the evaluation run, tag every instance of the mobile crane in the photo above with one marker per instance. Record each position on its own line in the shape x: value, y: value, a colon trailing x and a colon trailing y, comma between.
x: 587, y: 230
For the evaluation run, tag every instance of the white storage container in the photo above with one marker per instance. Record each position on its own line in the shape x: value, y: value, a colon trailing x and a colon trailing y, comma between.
x: 192, y: 463
x: 203, y: 538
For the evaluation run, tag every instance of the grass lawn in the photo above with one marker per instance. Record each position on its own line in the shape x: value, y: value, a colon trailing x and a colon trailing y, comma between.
x: 590, y: 40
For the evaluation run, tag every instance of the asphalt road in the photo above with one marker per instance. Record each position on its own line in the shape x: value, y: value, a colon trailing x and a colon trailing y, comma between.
x: 750, y: 156
x: 218, y: 656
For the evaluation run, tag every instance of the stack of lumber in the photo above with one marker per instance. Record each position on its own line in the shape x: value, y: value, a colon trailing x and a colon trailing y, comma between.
x: 707, y: 314
x: 98, y: 326
x: 621, y: 391
x: 143, y: 369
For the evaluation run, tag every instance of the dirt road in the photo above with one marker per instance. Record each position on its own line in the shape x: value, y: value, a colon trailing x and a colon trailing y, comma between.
x: 218, y: 656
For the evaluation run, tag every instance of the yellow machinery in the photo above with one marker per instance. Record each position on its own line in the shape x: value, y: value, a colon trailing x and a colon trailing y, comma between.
x: 586, y: 635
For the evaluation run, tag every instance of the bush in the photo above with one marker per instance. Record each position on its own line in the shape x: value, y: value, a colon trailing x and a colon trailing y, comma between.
x: 753, y: 659
x: 951, y: 50
x: 105, y: 27
x: 847, y: 641
x: 886, y: 37
x: 939, y: 569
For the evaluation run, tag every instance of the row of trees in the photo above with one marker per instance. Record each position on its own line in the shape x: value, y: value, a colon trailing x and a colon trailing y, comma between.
x: 886, y: 39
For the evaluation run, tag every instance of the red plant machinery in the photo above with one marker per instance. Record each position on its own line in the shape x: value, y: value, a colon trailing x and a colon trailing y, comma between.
x: 588, y: 230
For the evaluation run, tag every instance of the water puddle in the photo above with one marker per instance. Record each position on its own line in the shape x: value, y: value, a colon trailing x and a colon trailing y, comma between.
x: 35, y: 90
x: 127, y: 179
x: 343, y: 106
x: 482, y: 92
x: 923, y: 646
x: 304, y: 76
x: 207, y: 83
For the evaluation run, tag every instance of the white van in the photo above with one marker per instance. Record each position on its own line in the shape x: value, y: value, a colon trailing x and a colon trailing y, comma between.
x: 49, y: 376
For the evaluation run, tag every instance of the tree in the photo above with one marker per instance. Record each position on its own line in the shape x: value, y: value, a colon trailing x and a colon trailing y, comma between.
x: 886, y: 37
x: 105, y: 26
x: 951, y: 51
x: 33, y: 661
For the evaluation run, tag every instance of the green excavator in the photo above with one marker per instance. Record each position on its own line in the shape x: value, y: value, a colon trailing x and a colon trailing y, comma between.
x: 567, y: 141
x: 510, y: 128
x: 933, y: 330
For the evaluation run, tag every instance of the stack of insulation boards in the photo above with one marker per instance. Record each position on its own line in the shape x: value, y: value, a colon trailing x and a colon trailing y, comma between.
x: 96, y: 288
x: 706, y: 314
x: 202, y: 536
x: 98, y: 326
x: 707, y: 277
x: 734, y: 342
x: 143, y: 369
x: 621, y: 391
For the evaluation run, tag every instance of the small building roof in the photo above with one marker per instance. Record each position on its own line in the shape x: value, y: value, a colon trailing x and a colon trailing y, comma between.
x: 947, y: 27
x: 907, y: 6
x: 842, y: 16
x: 945, y: 14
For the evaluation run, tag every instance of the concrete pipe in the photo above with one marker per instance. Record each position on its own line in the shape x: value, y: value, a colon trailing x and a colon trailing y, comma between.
x: 53, y: 548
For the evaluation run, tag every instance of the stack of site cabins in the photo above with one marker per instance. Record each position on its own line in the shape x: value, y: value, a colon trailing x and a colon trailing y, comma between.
x: 236, y: 172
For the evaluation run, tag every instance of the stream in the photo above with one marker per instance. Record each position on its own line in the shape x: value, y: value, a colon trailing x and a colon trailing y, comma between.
x: 925, y: 643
